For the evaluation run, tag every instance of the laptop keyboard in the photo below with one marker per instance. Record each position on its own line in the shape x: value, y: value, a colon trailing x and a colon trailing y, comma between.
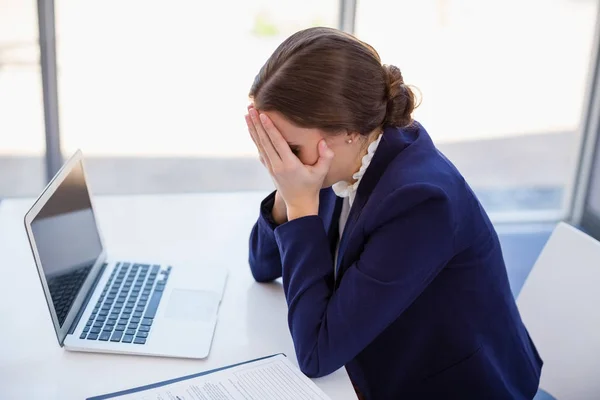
x: 127, y: 306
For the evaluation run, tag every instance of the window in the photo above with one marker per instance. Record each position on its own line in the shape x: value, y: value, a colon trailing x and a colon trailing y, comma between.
x: 21, y: 108
x: 503, y: 87
x: 154, y: 93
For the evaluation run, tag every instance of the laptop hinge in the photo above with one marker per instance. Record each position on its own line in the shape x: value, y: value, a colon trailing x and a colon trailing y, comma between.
x: 86, y: 300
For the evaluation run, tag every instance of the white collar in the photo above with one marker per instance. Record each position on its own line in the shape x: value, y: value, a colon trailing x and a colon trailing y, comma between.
x: 345, y: 189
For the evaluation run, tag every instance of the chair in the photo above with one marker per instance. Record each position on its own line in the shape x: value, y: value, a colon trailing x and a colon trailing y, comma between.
x: 560, y: 305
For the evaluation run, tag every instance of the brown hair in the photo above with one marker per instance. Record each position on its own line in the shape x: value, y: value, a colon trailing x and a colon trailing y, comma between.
x: 328, y: 79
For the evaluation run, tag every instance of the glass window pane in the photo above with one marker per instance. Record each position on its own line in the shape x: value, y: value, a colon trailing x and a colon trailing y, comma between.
x: 154, y: 92
x: 503, y: 86
x: 22, y: 146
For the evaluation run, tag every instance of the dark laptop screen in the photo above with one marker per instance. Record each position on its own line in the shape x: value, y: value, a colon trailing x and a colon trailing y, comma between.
x: 67, y: 240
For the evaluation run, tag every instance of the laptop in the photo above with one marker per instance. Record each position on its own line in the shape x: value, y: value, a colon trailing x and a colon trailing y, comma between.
x: 101, y: 304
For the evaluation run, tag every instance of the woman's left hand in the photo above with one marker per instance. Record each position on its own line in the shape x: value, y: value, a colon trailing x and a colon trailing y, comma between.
x: 298, y: 184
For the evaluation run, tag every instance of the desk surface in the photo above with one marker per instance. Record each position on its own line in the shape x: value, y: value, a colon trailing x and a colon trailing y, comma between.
x: 186, y: 230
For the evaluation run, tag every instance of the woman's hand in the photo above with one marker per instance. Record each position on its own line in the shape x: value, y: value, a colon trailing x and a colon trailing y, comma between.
x: 298, y: 184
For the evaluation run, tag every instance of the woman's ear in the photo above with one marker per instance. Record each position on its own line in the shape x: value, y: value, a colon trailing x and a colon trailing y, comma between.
x: 352, y: 137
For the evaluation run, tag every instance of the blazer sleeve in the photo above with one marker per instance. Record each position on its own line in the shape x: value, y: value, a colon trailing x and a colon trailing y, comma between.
x: 264, y: 257
x: 409, y: 241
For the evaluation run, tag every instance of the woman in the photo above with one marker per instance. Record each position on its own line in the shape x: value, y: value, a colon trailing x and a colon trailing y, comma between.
x: 390, y: 265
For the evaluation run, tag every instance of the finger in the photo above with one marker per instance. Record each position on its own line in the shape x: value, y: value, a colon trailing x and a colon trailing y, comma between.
x: 251, y: 130
x: 323, y: 164
x: 254, y: 135
x: 269, y: 152
x: 279, y: 143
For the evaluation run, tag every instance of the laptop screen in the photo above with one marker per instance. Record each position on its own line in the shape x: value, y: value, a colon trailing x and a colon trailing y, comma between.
x: 67, y: 240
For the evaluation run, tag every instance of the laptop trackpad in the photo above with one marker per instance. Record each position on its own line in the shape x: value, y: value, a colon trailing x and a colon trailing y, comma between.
x: 192, y: 305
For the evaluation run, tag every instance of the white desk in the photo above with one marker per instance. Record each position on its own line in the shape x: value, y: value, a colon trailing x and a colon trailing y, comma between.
x: 189, y: 230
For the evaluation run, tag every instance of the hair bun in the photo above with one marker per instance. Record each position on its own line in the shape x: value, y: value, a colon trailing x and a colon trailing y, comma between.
x: 401, y: 100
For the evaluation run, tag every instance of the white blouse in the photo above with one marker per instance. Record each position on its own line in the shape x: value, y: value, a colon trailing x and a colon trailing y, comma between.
x: 348, y: 192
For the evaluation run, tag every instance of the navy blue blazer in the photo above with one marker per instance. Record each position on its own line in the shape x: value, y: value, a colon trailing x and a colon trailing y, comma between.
x: 422, y: 307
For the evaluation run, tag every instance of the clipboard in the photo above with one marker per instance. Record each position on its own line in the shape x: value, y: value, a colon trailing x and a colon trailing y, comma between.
x: 175, y: 380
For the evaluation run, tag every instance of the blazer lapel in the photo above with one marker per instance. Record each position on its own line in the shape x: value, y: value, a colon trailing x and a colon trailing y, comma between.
x: 390, y: 145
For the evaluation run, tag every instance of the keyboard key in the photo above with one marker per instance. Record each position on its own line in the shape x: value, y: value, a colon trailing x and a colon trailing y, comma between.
x: 155, y: 269
x: 139, y: 309
x: 137, y: 314
x: 82, y: 336
x: 116, y: 337
x: 113, y: 317
x: 110, y: 297
x: 122, y: 321
x: 120, y: 327
x: 92, y: 336
x: 144, y: 297
x: 90, y: 322
x: 110, y: 323
x: 144, y: 328
x: 146, y: 292
x: 130, y: 332
x: 98, y: 324
x: 103, y: 313
x: 159, y: 287
x: 135, y: 320
x: 153, y: 305
x: 141, y: 303
x: 127, y: 338
x: 106, y: 307
x: 142, y: 335
x: 105, y: 335
x: 132, y: 326
x: 101, y: 318
x: 139, y: 340
x: 95, y: 330
x: 147, y: 321
x: 86, y: 329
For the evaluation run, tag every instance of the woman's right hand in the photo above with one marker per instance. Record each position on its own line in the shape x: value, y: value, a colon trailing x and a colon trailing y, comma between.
x: 279, y: 211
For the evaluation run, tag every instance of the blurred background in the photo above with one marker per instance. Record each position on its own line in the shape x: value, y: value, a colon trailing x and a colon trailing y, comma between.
x: 154, y: 92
